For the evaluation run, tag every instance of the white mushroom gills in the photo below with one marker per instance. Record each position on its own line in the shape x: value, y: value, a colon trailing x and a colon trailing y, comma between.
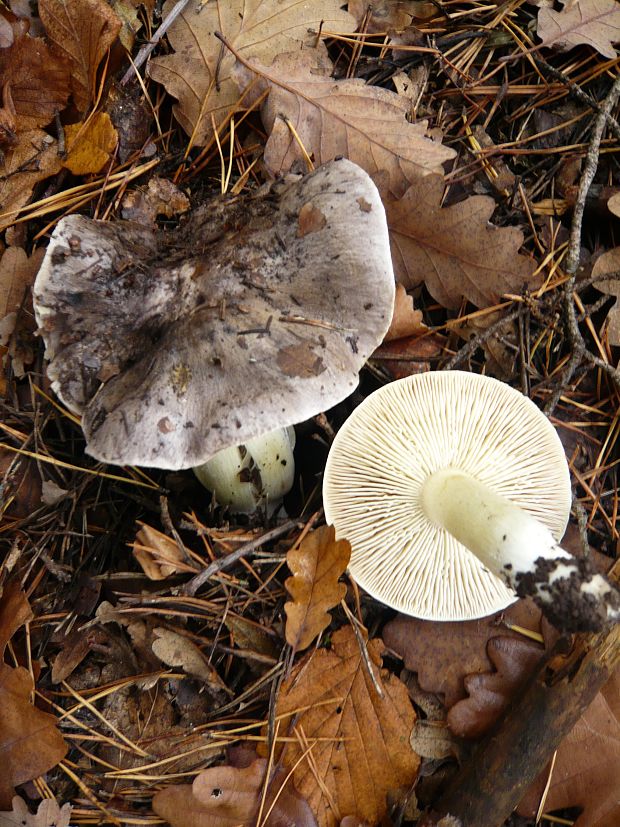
x: 254, y: 475
x: 454, y: 492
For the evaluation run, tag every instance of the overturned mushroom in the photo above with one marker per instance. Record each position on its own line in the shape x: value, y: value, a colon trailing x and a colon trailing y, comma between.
x: 453, y: 490
x: 257, y: 314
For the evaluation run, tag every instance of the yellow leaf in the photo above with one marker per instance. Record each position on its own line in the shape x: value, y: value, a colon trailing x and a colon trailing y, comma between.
x: 89, y: 144
x: 316, y: 565
x: 356, y: 742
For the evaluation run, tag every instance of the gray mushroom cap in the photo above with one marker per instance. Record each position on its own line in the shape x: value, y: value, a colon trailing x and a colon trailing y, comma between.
x: 258, y: 314
x: 397, y: 439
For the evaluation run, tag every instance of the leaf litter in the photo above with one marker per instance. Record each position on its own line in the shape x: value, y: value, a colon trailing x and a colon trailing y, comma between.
x: 151, y: 685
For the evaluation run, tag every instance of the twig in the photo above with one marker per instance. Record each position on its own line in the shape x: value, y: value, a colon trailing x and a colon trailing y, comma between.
x: 192, y: 586
x: 571, y: 263
x: 477, y: 341
x: 146, y: 50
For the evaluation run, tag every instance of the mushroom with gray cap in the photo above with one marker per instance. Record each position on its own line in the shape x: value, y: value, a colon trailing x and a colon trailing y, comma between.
x: 257, y: 314
x: 453, y: 490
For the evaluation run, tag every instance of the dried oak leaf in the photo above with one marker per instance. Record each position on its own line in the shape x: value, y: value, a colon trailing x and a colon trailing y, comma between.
x: 17, y: 273
x: 199, y: 73
x: 38, y: 78
x: 229, y: 796
x: 316, y: 566
x: 30, y: 743
x: 175, y: 649
x: 366, y: 124
x: 89, y: 144
x: 406, y: 321
x: 586, y: 772
x: 593, y: 23
x: 490, y: 693
x: 442, y: 654
x: 609, y: 262
x: 158, y: 555
x: 359, y: 741
x: 49, y: 814
x: 33, y: 159
x: 454, y: 250
x: 83, y: 31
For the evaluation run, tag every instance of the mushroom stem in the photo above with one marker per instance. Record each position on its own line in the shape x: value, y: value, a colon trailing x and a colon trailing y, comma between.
x: 256, y: 474
x: 520, y: 550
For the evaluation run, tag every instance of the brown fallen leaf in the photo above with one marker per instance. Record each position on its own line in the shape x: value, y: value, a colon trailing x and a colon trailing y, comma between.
x: 175, y: 649
x: 198, y: 74
x: 454, y: 250
x: 30, y: 743
x: 228, y: 796
x: 382, y: 15
x: 609, y: 262
x: 442, y: 654
x: 38, y: 79
x: 316, y: 564
x: 90, y: 144
x: 586, y: 772
x: 83, y: 31
x: 593, y: 23
x: 356, y: 743
x: 33, y: 159
x: 366, y: 124
x: 48, y: 814
x: 159, y: 197
x: 406, y: 321
x: 411, y: 355
x: 158, y: 555
x: 17, y: 272
x: 490, y: 693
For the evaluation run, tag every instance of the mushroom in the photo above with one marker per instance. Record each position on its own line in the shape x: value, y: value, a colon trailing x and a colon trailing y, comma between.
x: 453, y: 490
x: 258, y: 313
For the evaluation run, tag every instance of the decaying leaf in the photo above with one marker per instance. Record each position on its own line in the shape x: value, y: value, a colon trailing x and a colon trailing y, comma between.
x: 30, y: 743
x: 366, y: 124
x: 406, y: 321
x: 586, y: 773
x: 230, y: 796
x: 33, y: 159
x: 609, y: 262
x: 316, y: 564
x: 357, y: 743
x: 83, y: 31
x: 175, y: 649
x: 89, y: 144
x: 455, y: 250
x: 490, y: 693
x: 48, y: 814
x: 17, y: 272
x: 442, y: 654
x: 158, y: 554
x: 159, y: 197
x: 593, y: 23
x: 38, y: 80
x: 199, y: 73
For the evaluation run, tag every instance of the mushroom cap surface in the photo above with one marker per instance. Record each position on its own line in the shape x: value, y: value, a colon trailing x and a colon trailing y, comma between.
x: 256, y: 314
x: 392, y: 443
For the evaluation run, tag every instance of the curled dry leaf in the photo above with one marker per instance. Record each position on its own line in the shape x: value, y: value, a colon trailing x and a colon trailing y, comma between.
x: 454, y: 250
x: 89, y: 144
x: 48, y: 814
x: 609, y: 262
x: 490, y: 693
x: 199, y: 73
x: 442, y: 654
x: 31, y: 160
x: 159, y: 197
x: 366, y: 124
x: 351, y: 743
x: 30, y: 743
x: 229, y: 796
x: 593, y: 23
x: 158, y: 555
x: 316, y: 565
x: 38, y: 80
x: 406, y: 321
x: 83, y: 31
x: 586, y: 773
